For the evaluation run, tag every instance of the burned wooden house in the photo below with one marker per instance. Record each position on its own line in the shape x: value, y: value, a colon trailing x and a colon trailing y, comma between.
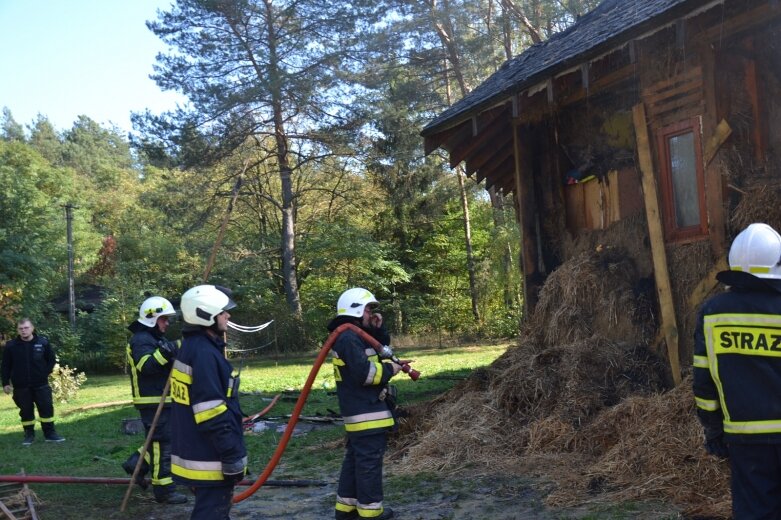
x: 652, y: 125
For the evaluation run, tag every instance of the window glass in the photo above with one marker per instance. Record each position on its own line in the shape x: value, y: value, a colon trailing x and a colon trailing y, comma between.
x: 683, y: 169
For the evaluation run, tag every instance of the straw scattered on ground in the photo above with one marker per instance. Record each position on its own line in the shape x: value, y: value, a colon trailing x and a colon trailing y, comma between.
x: 581, y: 402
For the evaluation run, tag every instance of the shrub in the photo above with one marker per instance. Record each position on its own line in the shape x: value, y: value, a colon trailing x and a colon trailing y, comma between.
x: 65, y: 382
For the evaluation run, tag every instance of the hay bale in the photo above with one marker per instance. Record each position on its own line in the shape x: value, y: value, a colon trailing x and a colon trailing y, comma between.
x: 651, y: 448
x: 580, y: 401
x: 757, y: 203
x: 593, y: 293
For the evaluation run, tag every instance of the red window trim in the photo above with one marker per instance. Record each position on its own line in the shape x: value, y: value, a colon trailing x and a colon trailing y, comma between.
x: 671, y: 230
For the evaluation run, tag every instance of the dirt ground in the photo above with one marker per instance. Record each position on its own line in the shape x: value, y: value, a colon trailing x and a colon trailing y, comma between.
x: 476, y: 498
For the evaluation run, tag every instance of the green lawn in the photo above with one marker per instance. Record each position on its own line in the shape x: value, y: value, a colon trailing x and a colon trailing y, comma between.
x: 96, y: 446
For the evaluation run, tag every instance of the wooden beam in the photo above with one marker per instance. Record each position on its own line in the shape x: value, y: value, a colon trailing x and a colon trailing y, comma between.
x: 661, y: 273
x: 714, y: 194
x: 498, y: 178
x: 524, y: 195
x: 596, y: 86
x: 491, y: 128
x: 721, y: 134
x: 486, y: 153
x: 434, y: 141
x: 761, y: 15
x: 500, y: 156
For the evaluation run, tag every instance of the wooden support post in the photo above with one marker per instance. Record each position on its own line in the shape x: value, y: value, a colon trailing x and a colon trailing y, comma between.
x: 714, y: 189
x: 524, y: 196
x: 722, y: 132
x: 661, y: 274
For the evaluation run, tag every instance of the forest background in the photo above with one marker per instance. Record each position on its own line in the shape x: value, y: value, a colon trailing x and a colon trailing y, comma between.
x: 301, y: 134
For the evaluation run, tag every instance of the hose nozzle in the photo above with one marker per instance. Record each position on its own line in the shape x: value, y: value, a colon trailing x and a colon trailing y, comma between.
x: 386, y: 352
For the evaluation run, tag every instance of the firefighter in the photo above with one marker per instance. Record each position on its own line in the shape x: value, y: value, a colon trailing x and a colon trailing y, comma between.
x: 28, y: 360
x: 150, y: 357
x: 737, y: 372
x: 361, y: 387
x: 208, y: 443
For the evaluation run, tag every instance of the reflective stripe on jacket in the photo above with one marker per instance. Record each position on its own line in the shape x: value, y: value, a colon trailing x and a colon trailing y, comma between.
x: 360, y: 378
x: 149, y: 369
x: 207, y: 434
x: 737, y: 365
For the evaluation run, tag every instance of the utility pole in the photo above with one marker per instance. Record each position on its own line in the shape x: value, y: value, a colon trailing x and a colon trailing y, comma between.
x: 71, y: 290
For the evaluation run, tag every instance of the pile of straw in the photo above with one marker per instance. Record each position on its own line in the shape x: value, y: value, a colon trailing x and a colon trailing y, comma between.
x: 581, y: 402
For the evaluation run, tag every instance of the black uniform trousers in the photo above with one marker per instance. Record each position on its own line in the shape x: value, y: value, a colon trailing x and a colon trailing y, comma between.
x: 159, y: 455
x: 212, y: 502
x: 361, y: 475
x: 756, y: 481
x: 29, y: 398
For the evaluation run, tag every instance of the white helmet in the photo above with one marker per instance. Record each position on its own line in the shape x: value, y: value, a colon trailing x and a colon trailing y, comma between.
x: 153, y: 308
x: 757, y: 250
x: 202, y: 303
x: 352, y: 301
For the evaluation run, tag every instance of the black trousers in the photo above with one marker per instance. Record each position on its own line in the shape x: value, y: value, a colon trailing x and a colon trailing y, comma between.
x: 159, y: 454
x: 360, y: 480
x: 756, y: 481
x: 212, y: 503
x: 29, y: 398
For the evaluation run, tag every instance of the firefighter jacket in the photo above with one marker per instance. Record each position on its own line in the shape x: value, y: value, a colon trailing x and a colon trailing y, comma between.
x: 360, y: 379
x: 207, y: 434
x: 147, y: 357
x: 27, y: 363
x: 737, y: 365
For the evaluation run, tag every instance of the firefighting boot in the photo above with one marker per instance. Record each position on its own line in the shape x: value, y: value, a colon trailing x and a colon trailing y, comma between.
x: 130, y: 466
x: 169, y: 495
x: 387, y: 513
x: 343, y: 515
x: 29, y: 435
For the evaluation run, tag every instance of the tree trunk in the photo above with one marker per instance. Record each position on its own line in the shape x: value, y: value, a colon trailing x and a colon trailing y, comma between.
x: 289, y: 276
x: 445, y: 32
x: 470, y: 260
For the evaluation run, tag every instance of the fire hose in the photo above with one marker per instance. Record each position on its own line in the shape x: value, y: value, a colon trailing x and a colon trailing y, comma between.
x: 123, y: 481
x: 383, y: 351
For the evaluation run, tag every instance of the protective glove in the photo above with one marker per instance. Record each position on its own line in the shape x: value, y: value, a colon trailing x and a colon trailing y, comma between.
x: 234, y: 472
x: 167, y: 349
x: 714, y: 443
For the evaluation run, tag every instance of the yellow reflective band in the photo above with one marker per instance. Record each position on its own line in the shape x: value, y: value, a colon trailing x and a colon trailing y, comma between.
x: 752, y: 427
x: 210, y: 413
x: 372, y: 374
x: 160, y: 357
x: 181, y: 376
x: 377, y: 374
x: 28, y: 423
x: 369, y: 513
x: 344, y: 507
x: 707, y: 404
x: 180, y: 392
x: 142, y: 361
x: 369, y: 425
x: 196, y: 474
x: 701, y: 361
x: 338, y: 362
x: 46, y: 419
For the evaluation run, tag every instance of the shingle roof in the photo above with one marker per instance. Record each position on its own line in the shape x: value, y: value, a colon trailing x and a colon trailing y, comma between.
x: 610, y: 23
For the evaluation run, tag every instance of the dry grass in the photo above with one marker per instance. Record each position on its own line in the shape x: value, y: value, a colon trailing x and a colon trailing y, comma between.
x: 581, y: 402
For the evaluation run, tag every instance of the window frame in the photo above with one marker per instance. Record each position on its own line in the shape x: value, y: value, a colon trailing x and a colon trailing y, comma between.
x: 663, y: 136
